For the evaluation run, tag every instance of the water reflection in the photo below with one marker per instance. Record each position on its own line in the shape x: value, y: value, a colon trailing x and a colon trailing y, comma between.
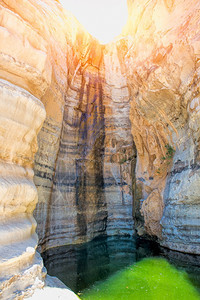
x: 79, y: 267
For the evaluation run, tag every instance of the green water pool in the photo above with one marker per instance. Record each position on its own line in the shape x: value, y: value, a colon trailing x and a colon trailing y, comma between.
x: 124, y: 268
x: 151, y: 279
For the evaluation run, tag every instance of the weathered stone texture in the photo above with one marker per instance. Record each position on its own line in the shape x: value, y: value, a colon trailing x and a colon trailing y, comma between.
x: 92, y: 184
x: 21, y: 117
x: 163, y: 75
x: 86, y: 155
x: 120, y: 152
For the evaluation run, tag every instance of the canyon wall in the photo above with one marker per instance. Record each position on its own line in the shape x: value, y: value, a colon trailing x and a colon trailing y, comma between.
x: 92, y: 184
x: 102, y: 103
x: 21, y: 118
x: 86, y: 155
x: 162, y: 60
x: 33, y: 70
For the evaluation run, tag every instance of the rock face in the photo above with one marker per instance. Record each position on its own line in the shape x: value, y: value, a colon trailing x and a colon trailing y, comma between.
x: 85, y: 184
x: 27, y: 63
x: 84, y: 137
x: 163, y: 76
x: 92, y: 185
x: 102, y: 103
x: 22, y: 116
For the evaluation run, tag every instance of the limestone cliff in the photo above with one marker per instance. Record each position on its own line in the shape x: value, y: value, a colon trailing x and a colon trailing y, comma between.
x: 162, y: 60
x: 85, y: 156
x: 153, y: 66
x: 31, y: 56
x: 92, y: 182
x: 21, y: 118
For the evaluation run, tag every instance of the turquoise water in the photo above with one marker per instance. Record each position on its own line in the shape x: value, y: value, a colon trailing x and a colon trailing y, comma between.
x: 125, y: 268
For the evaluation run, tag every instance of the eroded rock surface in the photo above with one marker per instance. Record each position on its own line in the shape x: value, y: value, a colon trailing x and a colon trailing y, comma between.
x: 21, y: 117
x: 153, y: 67
x: 86, y: 154
x: 92, y: 185
x: 163, y: 75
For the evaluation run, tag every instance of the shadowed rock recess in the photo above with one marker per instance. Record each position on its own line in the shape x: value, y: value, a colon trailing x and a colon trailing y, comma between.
x: 119, y: 148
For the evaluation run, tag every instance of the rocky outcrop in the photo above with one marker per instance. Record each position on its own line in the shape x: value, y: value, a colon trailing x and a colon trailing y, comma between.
x: 92, y: 185
x: 68, y: 76
x: 22, y: 116
x: 163, y: 75
x: 54, y: 288
x: 30, y: 50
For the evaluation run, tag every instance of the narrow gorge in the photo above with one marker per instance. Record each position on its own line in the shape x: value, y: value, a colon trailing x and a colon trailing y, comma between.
x: 96, y: 140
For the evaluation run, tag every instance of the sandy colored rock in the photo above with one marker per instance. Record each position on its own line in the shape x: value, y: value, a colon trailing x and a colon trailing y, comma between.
x: 52, y: 293
x: 54, y: 289
x: 162, y: 71
x: 21, y: 117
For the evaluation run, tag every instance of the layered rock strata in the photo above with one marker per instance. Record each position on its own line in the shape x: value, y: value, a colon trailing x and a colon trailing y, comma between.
x: 21, y: 117
x: 92, y: 185
x: 83, y: 166
x: 30, y: 51
x: 163, y: 75
x: 120, y: 151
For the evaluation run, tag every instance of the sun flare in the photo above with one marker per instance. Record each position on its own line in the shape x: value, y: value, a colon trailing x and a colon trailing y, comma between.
x: 104, y: 19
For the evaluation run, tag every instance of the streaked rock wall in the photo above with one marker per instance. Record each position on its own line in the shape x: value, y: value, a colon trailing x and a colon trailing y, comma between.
x: 85, y: 157
x: 92, y: 185
x: 21, y: 117
x: 32, y: 59
x: 162, y: 60
x: 120, y: 152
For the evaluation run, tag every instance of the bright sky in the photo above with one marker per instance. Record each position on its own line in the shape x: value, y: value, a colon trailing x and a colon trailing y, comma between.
x: 103, y: 19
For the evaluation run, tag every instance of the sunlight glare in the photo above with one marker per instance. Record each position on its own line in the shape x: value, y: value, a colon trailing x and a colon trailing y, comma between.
x: 103, y: 19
